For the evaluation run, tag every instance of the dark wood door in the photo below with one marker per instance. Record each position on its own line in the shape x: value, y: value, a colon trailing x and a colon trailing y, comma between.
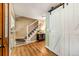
x: 1, y: 31
x: 5, y: 39
x: 4, y: 42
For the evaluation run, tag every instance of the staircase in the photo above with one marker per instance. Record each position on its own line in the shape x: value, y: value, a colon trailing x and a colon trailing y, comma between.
x: 23, y: 40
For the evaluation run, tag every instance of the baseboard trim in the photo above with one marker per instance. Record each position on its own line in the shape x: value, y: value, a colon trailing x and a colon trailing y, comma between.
x: 25, y: 43
x: 51, y: 50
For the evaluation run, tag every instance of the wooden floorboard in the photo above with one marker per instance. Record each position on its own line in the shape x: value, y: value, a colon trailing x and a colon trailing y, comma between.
x: 33, y: 49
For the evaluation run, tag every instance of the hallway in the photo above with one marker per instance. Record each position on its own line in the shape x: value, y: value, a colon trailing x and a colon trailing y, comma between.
x: 33, y: 49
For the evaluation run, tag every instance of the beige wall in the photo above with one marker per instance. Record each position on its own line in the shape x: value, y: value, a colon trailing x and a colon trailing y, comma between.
x: 41, y: 24
x: 21, y: 25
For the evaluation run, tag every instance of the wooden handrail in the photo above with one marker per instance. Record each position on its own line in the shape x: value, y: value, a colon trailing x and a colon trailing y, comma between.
x: 32, y: 23
x: 29, y: 26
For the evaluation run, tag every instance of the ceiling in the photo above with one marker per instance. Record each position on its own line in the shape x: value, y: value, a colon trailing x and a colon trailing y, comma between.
x: 32, y: 10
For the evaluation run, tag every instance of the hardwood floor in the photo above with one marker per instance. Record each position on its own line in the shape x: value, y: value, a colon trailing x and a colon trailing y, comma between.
x: 33, y: 49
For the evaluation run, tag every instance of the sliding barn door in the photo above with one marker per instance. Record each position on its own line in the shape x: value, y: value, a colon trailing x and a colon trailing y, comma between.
x: 64, y: 30
x: 56, y: 38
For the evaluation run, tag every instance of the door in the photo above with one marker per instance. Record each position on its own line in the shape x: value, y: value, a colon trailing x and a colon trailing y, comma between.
x: 56, y: 30
x: 1, y: 38
x: 5, y: 29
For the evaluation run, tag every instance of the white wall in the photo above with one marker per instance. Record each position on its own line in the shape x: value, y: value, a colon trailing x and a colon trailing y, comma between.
x: 41, y: 25
x: 74, y: 31
x: 63, y: 30
x: 11, y: 28
x: 6, y: 20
